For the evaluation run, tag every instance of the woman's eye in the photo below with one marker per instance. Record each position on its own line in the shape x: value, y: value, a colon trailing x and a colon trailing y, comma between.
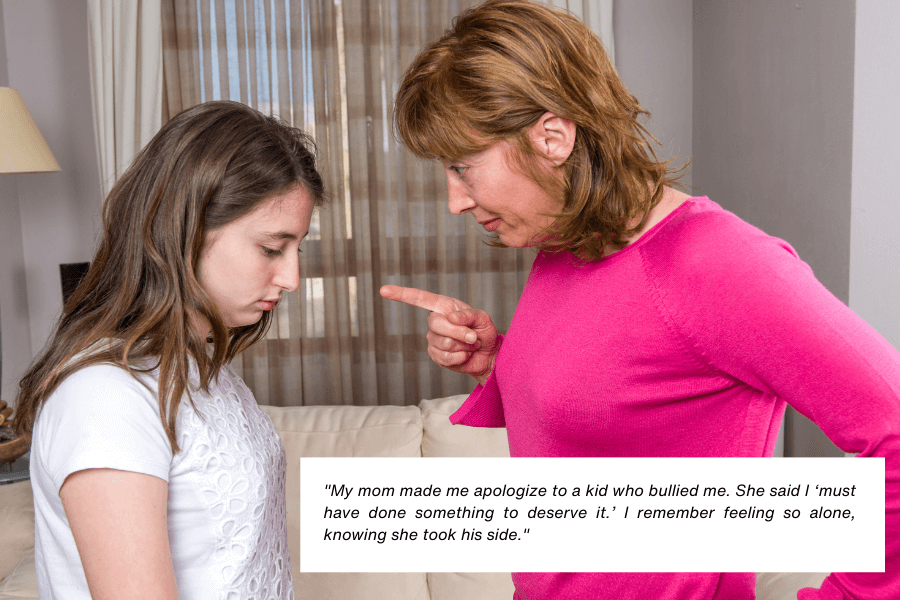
x: 460, y: 171
x: 271, y: 252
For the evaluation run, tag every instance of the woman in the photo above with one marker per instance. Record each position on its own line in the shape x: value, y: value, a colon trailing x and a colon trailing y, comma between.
x: 155, y: 473
x: 652, y: 323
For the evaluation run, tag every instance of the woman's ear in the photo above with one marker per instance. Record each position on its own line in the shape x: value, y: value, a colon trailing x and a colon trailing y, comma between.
x: 554, y: 137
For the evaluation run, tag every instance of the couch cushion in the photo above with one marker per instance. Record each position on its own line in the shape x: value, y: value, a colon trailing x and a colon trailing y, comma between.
x: 16, y: 523
x: 776, y: 586
x: 346, y: 431
x: 22, y: 582
x: 471, y: 586
x: 442, y: 438
x: 360, y: 586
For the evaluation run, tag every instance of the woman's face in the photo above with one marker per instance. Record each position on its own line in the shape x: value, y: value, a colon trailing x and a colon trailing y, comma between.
x: 500, y: 196
x: 246, y: 265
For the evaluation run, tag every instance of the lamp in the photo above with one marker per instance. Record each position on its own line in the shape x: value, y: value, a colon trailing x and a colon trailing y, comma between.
x: 22, y: 147
x: 22, y: 150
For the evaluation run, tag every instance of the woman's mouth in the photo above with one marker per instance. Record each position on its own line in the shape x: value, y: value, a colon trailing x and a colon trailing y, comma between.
x: 492, y: 225
x: 267, y: 304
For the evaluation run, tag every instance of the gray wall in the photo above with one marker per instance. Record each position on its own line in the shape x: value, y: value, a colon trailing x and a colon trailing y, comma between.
x: 875, y: 244
x: 45, y: 44
x: 14, y: 324
x: 654, y: 45
x: 773, y: 107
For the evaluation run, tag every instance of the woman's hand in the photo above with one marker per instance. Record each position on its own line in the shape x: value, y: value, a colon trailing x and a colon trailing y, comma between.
x: 118, y: 520
x: 460, y: 338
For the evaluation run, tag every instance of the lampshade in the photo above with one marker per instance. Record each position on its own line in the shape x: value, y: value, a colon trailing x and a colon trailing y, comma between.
x: 22, y: 147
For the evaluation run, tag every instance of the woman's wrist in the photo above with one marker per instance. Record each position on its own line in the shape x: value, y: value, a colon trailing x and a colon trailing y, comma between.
x: 482, y: 377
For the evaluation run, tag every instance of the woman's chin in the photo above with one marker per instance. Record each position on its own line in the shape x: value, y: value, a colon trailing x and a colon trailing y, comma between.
x: 512, y: 241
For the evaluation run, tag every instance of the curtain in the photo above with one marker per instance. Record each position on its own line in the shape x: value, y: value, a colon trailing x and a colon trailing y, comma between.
x: 332, y: 67
x: 596, y: 14
x: 125, y: 38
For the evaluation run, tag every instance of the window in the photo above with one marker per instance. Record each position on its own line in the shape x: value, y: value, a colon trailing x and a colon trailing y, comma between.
x: 331, y: 67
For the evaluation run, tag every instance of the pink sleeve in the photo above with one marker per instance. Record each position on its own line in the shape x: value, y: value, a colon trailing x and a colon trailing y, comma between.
x: 752, y: 310
x: 483, y: 407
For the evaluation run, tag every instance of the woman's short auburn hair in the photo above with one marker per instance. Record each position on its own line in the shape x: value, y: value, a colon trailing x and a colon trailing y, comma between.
x: 499, y: 68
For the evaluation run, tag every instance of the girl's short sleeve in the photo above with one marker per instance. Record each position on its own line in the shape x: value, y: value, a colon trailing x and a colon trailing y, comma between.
x: 101, y: 417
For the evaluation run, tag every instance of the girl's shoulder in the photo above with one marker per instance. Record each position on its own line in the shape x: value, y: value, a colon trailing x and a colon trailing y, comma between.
x: 101, y: 376
x: 103, y: 388
x: 100, y: 416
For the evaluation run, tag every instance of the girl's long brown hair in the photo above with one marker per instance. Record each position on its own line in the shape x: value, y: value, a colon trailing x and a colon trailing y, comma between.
x: 503, y: 65
x: 135, y: 307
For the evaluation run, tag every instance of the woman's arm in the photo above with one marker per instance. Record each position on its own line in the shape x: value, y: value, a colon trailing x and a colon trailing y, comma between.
x: 118, y: 519
x: 750, y: 309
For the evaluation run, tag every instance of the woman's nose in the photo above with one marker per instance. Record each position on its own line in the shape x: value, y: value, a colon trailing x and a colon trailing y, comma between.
x: 458, y: 200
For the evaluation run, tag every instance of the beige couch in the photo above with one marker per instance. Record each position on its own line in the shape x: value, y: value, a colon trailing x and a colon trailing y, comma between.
x: 410, y: 431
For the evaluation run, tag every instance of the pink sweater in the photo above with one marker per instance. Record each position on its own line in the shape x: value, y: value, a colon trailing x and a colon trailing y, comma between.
x: 690, y: 342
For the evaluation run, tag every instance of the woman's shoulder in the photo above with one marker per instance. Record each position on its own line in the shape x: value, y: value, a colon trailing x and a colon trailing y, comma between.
x: 699, y: 213
x: 701, y: 230
x: 696, y: 230
x: 708, y: 252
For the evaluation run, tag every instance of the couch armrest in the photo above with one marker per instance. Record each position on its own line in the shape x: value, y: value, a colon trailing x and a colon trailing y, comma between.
x: 16, y: 524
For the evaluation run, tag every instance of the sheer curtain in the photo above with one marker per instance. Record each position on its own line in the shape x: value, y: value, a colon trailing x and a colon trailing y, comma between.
x: 125, y: 39
x: 331, y: 67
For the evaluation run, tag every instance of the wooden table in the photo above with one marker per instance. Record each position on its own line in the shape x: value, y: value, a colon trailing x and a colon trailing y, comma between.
x: 11, y: 446
x: 10, y: 450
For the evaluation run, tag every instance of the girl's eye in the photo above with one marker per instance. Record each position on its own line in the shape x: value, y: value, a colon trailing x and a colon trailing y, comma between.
x: 271, y: 252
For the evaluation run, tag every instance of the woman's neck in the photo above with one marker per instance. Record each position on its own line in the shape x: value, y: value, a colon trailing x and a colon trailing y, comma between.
x: 671, y: 199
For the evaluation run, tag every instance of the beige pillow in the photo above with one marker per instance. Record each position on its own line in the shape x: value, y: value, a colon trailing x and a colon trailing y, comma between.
x: 441, y: 438
x: 360, y: 586
x: 16, y: 523
x: 471, y: 586
x: 22, y: 582
x: 784, y: 586
x: 346, y: 431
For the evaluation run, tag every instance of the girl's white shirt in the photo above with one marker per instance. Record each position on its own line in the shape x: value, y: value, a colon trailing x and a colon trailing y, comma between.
x: 226, y: 486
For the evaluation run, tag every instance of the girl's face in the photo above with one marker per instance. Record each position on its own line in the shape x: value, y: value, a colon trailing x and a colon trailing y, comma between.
x: 500, y: 196
x: 246, y: 265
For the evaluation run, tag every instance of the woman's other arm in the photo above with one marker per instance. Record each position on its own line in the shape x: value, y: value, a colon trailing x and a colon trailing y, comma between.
x: 118, y: 520
x: 749, y: 308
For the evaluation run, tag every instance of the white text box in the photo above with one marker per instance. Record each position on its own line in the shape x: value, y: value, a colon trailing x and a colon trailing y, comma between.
x: 591, y: 514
